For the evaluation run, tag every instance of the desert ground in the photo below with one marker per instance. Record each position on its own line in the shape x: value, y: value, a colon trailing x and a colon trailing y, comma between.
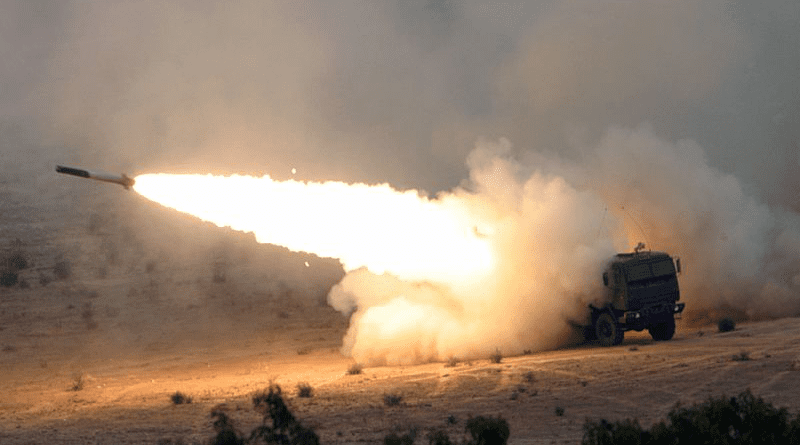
x: 121, y: 304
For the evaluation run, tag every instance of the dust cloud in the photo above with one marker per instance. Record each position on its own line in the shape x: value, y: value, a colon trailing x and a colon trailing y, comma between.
x: 554, y: 226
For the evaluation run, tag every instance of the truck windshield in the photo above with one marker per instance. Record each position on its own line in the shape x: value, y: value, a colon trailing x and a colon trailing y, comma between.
x: 644, y: 271
x: 663, y: 267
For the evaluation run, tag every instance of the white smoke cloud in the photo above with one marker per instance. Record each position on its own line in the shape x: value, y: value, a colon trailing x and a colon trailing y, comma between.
x: 554, y: 224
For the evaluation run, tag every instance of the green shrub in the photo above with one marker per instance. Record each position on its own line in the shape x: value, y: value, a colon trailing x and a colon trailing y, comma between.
x: 487, y: 430
x: 284, y: 428
x: 744, y: 419
x: 278, y: 424
x: 392, y: 399
x: 304, y: 389
x: 180, y: 398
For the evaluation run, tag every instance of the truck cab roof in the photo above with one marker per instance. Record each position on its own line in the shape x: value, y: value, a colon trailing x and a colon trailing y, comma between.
x: 624, y: 258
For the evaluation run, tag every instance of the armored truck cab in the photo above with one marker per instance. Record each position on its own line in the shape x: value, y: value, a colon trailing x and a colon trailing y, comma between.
x: 644, y: 295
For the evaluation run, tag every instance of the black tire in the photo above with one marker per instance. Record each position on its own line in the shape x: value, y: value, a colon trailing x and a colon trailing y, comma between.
x: 663, y: 330
x: 607, y: 330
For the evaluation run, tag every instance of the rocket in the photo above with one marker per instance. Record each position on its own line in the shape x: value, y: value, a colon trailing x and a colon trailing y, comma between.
x: 121, y: 179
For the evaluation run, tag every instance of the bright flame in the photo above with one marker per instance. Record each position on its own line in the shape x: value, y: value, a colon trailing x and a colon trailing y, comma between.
x: 376, y: 227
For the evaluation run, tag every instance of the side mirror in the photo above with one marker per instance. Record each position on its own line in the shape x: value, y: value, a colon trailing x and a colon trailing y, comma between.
x: 605, y: 278
x: 678, y: 264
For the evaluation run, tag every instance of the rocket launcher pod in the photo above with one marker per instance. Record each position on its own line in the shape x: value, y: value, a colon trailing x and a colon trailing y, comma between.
x: 121, y: 179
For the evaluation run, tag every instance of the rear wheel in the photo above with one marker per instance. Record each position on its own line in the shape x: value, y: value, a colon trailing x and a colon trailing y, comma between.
x: 663, y: 330
x: 608, y: 330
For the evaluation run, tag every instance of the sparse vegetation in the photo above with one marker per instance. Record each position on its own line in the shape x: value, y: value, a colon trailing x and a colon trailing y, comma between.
x: 497, y: 357
x: 392, y: 399
x: 438, y: 437
x: 180, y: 398
x: 481, y: 430
x: 78, y: 382
x: 559, y: 411
x: 452, y: 362
x: 405, y: 439
x: 743, y: 356
x: 16, y: 261
x: 305, y: 390
x: 278, y: 424
x: 726, y: 325
x: 8, y: 278
x: 742, y: 419
x: 529, y: 377
x: 355, y: 369
x: 488, y: 430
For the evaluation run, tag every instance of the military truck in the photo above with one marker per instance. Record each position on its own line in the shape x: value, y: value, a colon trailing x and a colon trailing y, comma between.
x: 644, y: 295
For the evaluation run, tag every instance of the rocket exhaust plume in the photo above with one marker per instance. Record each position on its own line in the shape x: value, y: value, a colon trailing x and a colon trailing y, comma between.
x: 121, y: 179
x: 511, y: 259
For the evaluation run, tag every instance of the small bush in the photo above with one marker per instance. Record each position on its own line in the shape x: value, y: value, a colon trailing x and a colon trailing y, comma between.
x: 560, y: 411
x: 180, y: 398
x: 392, y: 399
x: 741, y: 419
x: 8, y: 278
x: 78, y: 382
x: 16, y: 261
x: 496, y: 357
x: 726, y: 325
x: 488, y: 430
x: 226, y: 433
x: 741, y: 357
x: 283, y: 427
x: 355, y: 369
x: 394, y: 439
x: 439, y: 437
x: 452, y: 362
x: 304, y: 390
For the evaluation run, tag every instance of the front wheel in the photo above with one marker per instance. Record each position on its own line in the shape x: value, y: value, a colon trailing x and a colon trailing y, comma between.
x: 663, y: 330
x: 608, y: 330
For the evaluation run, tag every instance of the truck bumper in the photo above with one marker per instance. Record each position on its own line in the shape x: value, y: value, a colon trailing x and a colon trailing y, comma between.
x: 643, y: 317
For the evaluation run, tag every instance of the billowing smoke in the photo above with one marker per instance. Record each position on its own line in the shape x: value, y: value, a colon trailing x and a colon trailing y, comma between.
x: 556, y: 223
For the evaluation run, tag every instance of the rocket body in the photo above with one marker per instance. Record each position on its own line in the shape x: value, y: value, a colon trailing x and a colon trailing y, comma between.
x: 121, y: 179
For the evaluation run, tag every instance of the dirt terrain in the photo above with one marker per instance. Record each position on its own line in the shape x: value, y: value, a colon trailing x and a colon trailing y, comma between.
x: 120, y: 304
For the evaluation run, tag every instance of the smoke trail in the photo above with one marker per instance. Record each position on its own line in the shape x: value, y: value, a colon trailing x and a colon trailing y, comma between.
x: 511, y: 259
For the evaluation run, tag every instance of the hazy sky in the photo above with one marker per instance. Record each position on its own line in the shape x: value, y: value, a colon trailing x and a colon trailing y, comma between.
x: 396, y: 91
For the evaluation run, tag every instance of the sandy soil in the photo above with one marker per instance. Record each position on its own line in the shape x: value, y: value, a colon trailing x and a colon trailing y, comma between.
x: 153, y: 303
